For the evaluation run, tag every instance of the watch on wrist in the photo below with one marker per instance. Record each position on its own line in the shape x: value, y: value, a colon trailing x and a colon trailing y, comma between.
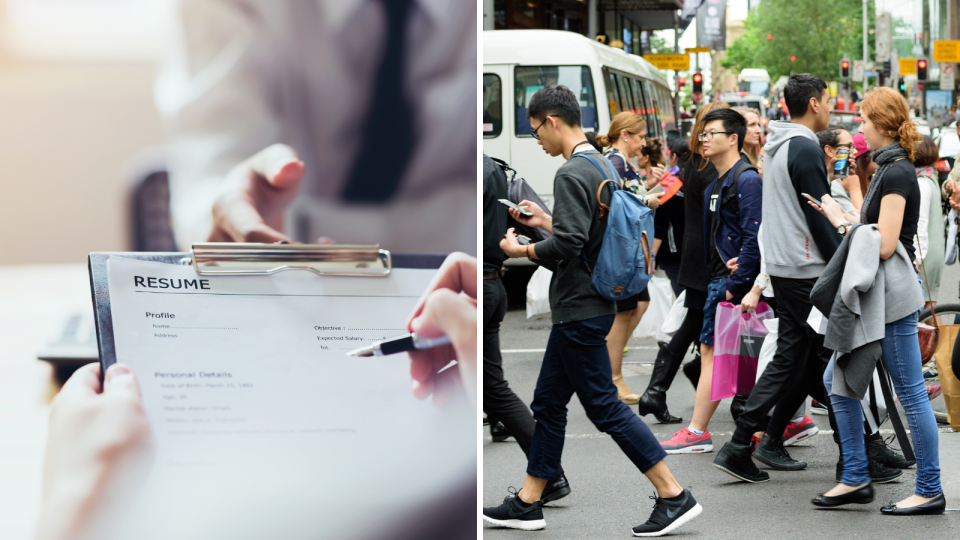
x: 844, y: 228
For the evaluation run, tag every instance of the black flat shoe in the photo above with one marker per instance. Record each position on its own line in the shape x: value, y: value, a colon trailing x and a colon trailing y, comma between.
x: 935, y: 506
x: 861, y: 495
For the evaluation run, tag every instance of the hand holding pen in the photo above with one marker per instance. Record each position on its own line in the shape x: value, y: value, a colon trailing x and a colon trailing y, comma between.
x: 448, y: 307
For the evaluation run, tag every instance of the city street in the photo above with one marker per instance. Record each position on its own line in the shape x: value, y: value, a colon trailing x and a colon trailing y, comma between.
x: 610, y: 495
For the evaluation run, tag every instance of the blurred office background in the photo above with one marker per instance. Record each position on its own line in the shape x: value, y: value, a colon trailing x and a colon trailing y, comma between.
x: 77, y: 123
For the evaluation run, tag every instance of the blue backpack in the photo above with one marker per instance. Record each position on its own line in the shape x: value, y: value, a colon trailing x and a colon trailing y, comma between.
x: 623, y: 267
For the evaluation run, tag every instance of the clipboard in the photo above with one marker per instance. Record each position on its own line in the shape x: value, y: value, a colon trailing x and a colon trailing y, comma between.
x: 245, y: 259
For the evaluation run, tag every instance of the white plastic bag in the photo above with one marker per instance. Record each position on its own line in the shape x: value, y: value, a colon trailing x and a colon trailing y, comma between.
x: 676, y: 316
x: 538, y: 292
x: 769, y: 347
x: 661, y: 300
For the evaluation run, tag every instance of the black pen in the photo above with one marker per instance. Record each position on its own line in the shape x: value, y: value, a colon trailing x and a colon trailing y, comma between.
x: 399, y: 344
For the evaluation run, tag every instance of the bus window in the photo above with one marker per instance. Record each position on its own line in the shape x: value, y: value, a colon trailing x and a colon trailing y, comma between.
x: 529, y: 79
x: 642, y: 106
x: 612, y: 98
x: 626, y: 99
x: 492, y: 106
x: 653, y: 126
x: 667, y: 116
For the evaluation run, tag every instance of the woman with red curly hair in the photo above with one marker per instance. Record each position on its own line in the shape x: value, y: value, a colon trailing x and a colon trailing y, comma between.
x: 889, y: 217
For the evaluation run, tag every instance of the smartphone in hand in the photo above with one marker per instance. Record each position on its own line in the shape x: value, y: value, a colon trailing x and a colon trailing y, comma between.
x: 811, y: 199
x: 510, y: 204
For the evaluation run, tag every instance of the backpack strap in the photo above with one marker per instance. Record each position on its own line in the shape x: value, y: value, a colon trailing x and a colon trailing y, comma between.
x: 507, y: 170
x: 732, y: 194
x: 606, y: 180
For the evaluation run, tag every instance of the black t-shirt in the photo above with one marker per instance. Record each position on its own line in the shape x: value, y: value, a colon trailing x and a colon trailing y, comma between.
x: 718, y: 269
x: 900, y: 178
x: 693, y: 269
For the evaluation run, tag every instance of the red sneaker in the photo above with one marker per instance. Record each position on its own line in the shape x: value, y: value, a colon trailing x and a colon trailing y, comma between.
x: 754, y: 441
x: 798, y: 431
x: 685, y: 442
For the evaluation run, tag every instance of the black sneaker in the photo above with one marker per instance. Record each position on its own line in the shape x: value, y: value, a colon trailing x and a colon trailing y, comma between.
x: 554, y: 491
x: 771, y: 452
x: 734, y: 459
x: 667, y: 515
x: 513, y: 515
x: 886, y: 456
x: 878, y: 473
x: 499, y: 432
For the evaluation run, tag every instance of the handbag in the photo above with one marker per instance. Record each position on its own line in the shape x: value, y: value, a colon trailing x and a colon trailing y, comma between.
x: 927, y: 335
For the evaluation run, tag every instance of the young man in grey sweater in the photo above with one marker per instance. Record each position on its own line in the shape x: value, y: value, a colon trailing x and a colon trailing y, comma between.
x: 576, y: 360
x: 798, y: 242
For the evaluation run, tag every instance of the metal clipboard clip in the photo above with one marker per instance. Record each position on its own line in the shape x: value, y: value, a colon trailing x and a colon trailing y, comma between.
x: 222, y: 259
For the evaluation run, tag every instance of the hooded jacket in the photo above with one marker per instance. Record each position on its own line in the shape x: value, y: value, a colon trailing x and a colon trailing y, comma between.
x: 797, y: 241
x: 735, y: 233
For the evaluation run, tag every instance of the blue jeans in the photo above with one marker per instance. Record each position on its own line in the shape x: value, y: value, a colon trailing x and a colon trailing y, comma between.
x: 901, y: 355
x: 716, y: 293
x: 577, y: 361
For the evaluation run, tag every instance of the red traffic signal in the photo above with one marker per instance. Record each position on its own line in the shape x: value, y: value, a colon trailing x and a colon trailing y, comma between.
x: 793, y: 58
x: 697, y: 83
x: 845, y: 69
x: 922, y: 69
x: 769, y: 36
x: 697, y: 78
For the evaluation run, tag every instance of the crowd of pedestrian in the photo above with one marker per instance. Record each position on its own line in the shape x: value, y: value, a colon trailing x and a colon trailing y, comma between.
x: 782, y: 222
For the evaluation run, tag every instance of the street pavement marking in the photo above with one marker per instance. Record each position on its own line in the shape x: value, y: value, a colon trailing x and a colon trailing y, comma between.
x: 723, y: 434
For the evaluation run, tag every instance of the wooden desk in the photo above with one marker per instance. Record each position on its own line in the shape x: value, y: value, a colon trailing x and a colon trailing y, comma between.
x: 34, y: 301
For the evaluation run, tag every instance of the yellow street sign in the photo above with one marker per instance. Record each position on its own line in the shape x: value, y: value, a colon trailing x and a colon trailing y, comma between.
x: 697, y: 49
x: 946, y: 51
x: 678, y: 62
x: 908, y: 66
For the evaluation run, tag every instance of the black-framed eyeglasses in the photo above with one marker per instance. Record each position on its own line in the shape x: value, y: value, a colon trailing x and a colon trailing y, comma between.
x: 707, y: 136
x: 848, y: 145
x: 534, y: 132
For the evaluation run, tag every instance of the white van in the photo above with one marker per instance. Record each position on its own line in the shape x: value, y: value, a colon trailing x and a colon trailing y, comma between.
x: 517, y: 63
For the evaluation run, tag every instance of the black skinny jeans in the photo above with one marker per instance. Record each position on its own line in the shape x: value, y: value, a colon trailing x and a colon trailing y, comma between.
x: 796, y: 370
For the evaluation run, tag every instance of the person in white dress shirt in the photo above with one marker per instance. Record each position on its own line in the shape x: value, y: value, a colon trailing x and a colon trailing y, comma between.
x: 349, y: 120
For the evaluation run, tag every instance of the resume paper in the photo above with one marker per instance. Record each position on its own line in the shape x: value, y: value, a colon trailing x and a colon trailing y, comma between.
x: 250, y: 373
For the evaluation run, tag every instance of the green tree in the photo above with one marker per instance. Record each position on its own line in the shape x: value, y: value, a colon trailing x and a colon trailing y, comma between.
x: 815, y: 34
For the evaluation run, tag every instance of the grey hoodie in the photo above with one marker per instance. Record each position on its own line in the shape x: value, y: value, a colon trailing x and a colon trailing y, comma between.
x: 798, y: 241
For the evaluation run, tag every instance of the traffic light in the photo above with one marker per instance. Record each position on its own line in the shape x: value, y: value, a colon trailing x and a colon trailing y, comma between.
x: 902, y: 86
x: 844, y: 69
x: 681, y: 82
x: 922, y: 69
x: 886, y: 68
x: 769, y: 36
x: 698, y: 83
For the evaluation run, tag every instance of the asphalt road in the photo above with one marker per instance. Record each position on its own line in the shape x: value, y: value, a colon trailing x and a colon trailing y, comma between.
x: 610, y: 495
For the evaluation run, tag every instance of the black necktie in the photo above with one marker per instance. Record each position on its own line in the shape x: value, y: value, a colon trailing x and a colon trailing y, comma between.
x: 389, y: 126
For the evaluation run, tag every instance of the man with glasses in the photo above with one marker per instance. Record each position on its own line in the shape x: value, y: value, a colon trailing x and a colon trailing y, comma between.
x: 797, y: 244
x: 576, y: 359
x: 731, y: 220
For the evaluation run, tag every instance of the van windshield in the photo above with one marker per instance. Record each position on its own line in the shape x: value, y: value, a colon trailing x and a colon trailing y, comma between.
x: 529, y: 79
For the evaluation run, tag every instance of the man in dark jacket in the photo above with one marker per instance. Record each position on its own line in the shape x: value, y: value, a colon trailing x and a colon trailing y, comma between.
x: 500, y: 402
x: 798, y: 243
x: 731, y: 219
x: 576, y: 360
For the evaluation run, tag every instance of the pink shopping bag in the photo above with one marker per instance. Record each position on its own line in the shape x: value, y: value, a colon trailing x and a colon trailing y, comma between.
x: 737, y: 339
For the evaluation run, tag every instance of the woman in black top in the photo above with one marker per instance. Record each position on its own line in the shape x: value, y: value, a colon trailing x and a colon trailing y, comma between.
x: 669, y: 221
x: 892, y: 202
x: 698, y: 174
